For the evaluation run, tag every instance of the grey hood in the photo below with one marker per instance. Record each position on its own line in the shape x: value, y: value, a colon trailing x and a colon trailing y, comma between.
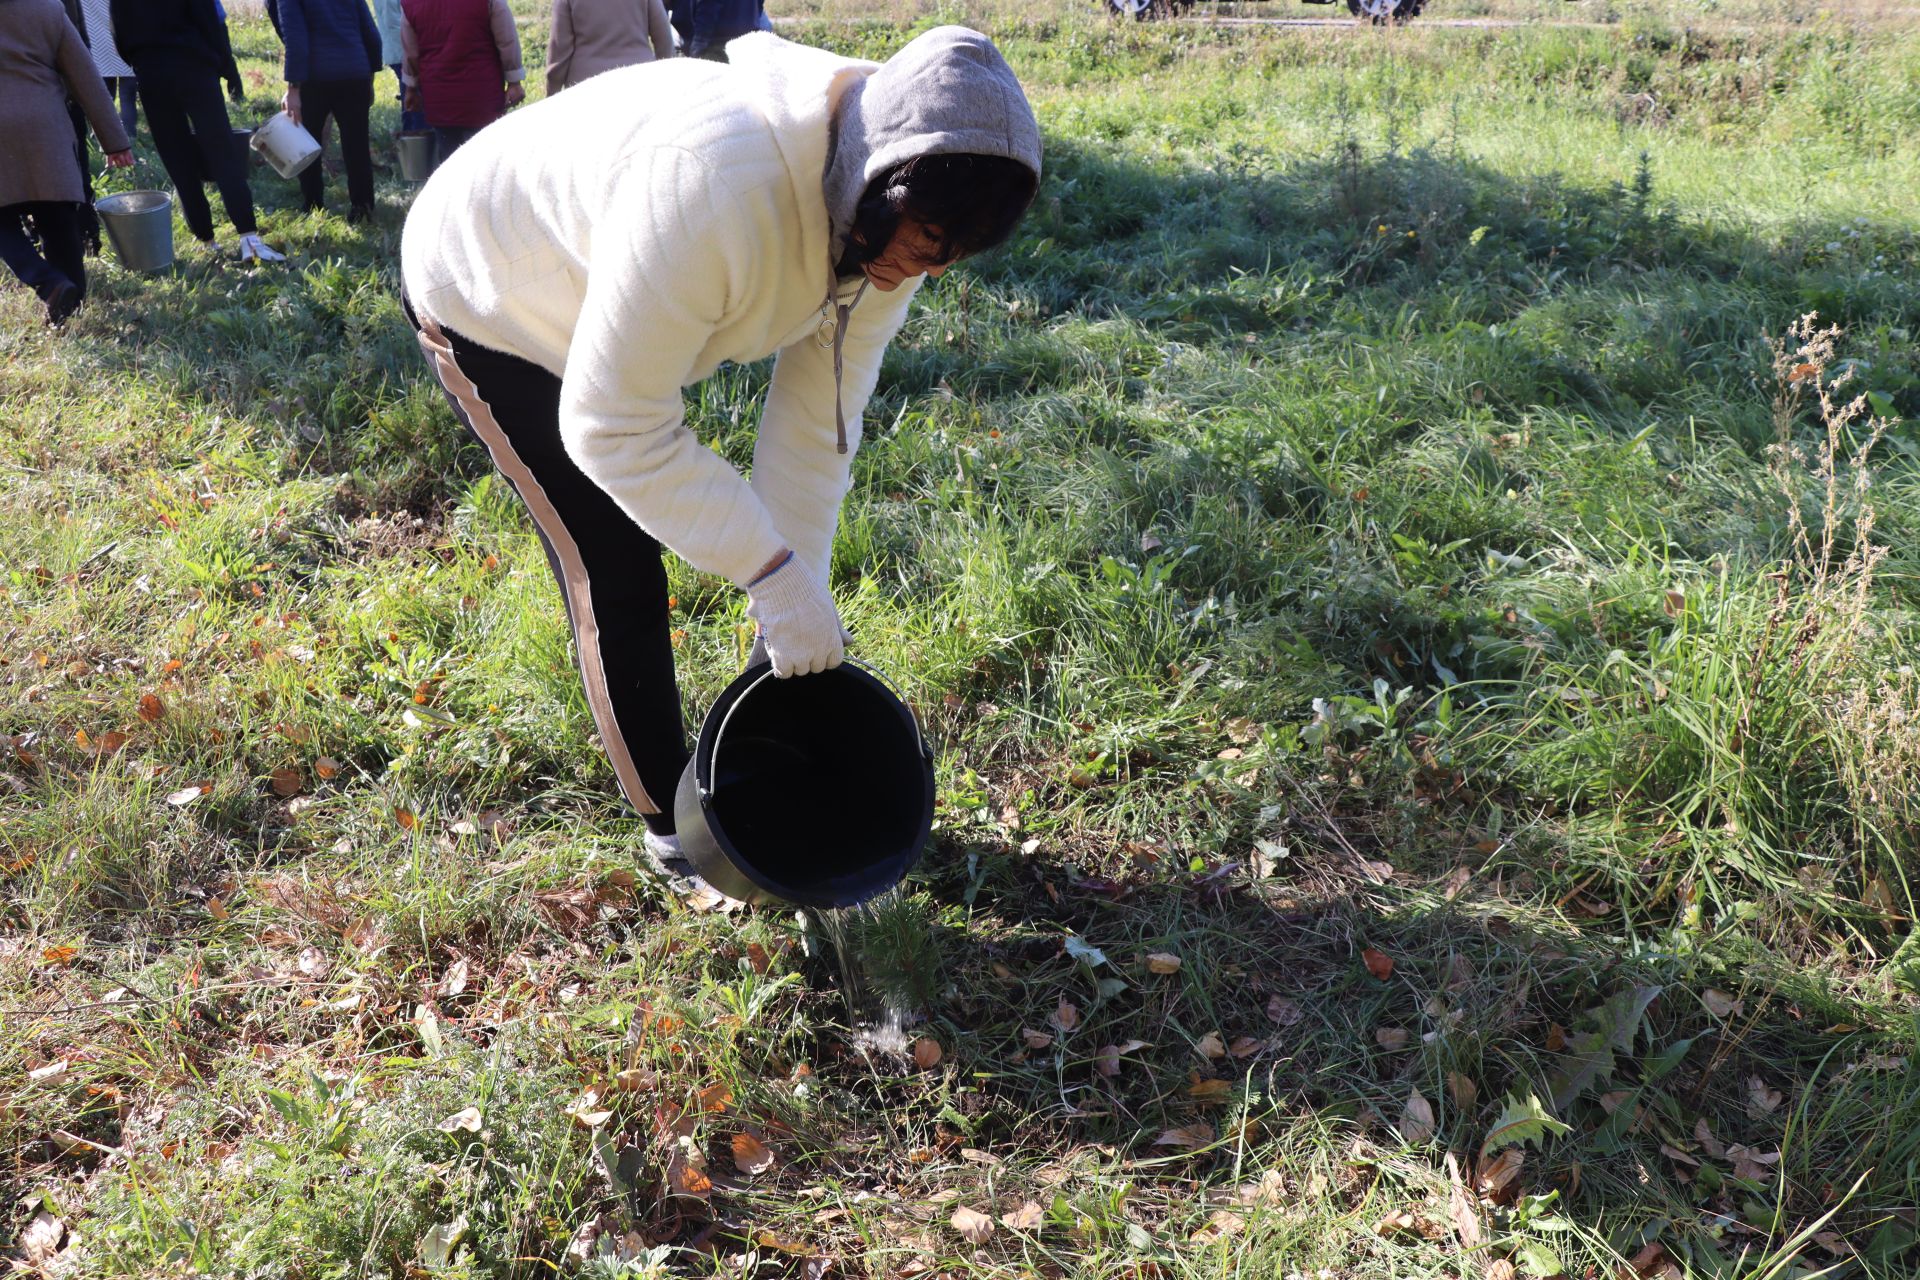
x: 947, y: 92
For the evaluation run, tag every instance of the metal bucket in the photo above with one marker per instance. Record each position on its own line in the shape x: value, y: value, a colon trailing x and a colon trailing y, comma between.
x: 817, y: 790
x: 140, y: 225
x: 415, y: 149
x: 286, y: 146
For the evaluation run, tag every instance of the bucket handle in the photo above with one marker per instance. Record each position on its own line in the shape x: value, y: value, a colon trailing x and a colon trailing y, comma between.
x: 893, y: 687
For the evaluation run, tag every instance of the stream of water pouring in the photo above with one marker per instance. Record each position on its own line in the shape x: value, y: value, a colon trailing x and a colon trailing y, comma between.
x: 879, y: 1018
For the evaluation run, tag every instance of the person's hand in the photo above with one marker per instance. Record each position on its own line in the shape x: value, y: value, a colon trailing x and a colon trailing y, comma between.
x: 516, y: 94
x: 120, y: 159
x: 236, y: 91
x: 290, y: 103
x: 798, y: 620
x: 412, y: 101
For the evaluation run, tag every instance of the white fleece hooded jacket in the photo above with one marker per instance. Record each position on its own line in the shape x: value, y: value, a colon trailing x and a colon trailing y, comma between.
x: 634, y: 232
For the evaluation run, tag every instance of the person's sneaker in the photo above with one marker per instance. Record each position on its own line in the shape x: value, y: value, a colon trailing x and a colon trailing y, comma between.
x: 254, y: 249
x: 670, y: 865
x: 62, y: 300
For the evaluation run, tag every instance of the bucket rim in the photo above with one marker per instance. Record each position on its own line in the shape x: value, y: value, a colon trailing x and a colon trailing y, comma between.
x: 705, y: 751
x: 113, y: 204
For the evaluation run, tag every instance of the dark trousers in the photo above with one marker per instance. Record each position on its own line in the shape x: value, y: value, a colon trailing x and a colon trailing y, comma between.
x: 57, y: 223
x: 123, y: 88
x: 447, y: 140
x: 608, y: 567
x: 347, y: 102
x: 188, y: 119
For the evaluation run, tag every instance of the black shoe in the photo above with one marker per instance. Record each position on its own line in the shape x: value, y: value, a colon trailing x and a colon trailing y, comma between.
x: 361, y: 215
x: 62, y: 301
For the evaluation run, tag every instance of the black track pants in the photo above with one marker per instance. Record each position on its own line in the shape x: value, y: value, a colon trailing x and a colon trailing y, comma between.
x: 608, y: 567
x: 195, y: 141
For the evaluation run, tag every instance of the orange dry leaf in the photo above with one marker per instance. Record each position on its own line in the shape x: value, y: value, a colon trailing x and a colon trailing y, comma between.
x: 1163, y: 962
x: 1026, y: 1218
x: 715, y: 1099
x: 1378, y: 963
x: 750, y: 1155
x: 405, y: 817
x: 151, y: 708
x: 927, y: 1053
x: 59, y: 955
x: 1210, y: 1092
x: 1186, y: 1137
x: 286, y: 782
x: 1067, y: 1016
x: 326, y: 766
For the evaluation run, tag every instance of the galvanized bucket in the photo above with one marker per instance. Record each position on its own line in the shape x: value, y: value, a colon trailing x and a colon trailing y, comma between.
x: 416, y: 154
x: 140, y: 225
x: 816, y: 790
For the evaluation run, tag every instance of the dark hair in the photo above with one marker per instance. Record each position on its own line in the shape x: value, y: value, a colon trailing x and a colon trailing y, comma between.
x: 973, y: 201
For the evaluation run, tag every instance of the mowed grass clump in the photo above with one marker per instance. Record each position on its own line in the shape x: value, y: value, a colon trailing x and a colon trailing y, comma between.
x: 1417, y: 628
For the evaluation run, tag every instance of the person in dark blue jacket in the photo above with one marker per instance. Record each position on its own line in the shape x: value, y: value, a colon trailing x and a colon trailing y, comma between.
x: 333, y: 51
x: 180, y: 53
x: 705, y: 26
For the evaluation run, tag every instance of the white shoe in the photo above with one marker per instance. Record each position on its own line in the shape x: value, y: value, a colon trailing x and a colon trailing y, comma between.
x: 254, y: 249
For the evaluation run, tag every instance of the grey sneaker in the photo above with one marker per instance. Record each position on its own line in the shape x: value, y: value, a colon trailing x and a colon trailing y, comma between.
x: 670, y: 865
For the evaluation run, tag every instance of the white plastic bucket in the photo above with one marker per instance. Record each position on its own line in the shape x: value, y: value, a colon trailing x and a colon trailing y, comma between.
x: 287, y: 147
x: 140, y: 225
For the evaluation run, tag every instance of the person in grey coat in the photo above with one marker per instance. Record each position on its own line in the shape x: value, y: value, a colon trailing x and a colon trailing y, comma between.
x: 42, y: 61
x: 591, y: 36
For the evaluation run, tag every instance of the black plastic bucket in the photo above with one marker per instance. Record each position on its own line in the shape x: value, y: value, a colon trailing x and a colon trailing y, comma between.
x: 816, y: 790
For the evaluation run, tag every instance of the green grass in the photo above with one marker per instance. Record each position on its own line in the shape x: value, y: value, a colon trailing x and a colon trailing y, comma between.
x: 1360, y: 518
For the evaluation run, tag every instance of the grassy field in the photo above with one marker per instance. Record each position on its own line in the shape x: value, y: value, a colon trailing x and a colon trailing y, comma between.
x: 1418, y: 626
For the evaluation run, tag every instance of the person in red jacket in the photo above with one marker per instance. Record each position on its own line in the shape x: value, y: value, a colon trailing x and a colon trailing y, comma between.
x: 462, y: 66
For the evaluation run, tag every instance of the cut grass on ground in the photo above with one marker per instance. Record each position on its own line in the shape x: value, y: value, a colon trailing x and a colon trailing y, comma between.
x: 1417, y: 626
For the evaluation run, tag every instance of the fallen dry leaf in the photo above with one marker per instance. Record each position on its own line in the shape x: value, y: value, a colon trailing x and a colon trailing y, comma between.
x: 1498, y: 1174
x: 41, y: 1239
x: 1210, y: 1092
x: 1163, y: 962
x: 1720, y: 1004
x: 454, y: 981
x: 1186, y: 1137
x: 52, y: 1073
x: 286, y: 782
x: 750, y: 1155
x: 1027, y: 1217
x: 1753, y: 1166
x: 1244, y: 1046
x: 467, y: 1119
x: 1416, y: 1119
x: 1460, y: 1206
x: 1211, y: 1047
x: 187, y: 795
x: 406, y: 818
x: 1035, y: 1039
x: 586, y: 1109
x: 975, y: 1227
x: 1107, y: 1060
x: 927, y: 1053
x: 1500, y: 1269
x: 151, y: 708
x: 1066, y: 1017
x: 1462, y: 1090
x: 1220, y: 1224
x: 1650, y: 1263
x: 715, y: 1099
x: 1284, y: 1011
x: 1378, y: 963
x: 1762, y: 1098
x: 326, y: 766
x: 1392, y: 1039
x: 1398, y: 1222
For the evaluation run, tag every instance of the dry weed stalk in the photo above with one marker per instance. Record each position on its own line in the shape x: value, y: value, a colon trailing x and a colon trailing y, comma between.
x: 1831, y: 642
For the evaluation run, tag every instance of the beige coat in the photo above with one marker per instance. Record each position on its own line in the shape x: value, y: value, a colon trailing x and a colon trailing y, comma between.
x: 42, y: 59
x: 591, y: 36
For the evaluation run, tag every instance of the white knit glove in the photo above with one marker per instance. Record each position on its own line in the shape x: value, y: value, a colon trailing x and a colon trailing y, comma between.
x: 798, y: 620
